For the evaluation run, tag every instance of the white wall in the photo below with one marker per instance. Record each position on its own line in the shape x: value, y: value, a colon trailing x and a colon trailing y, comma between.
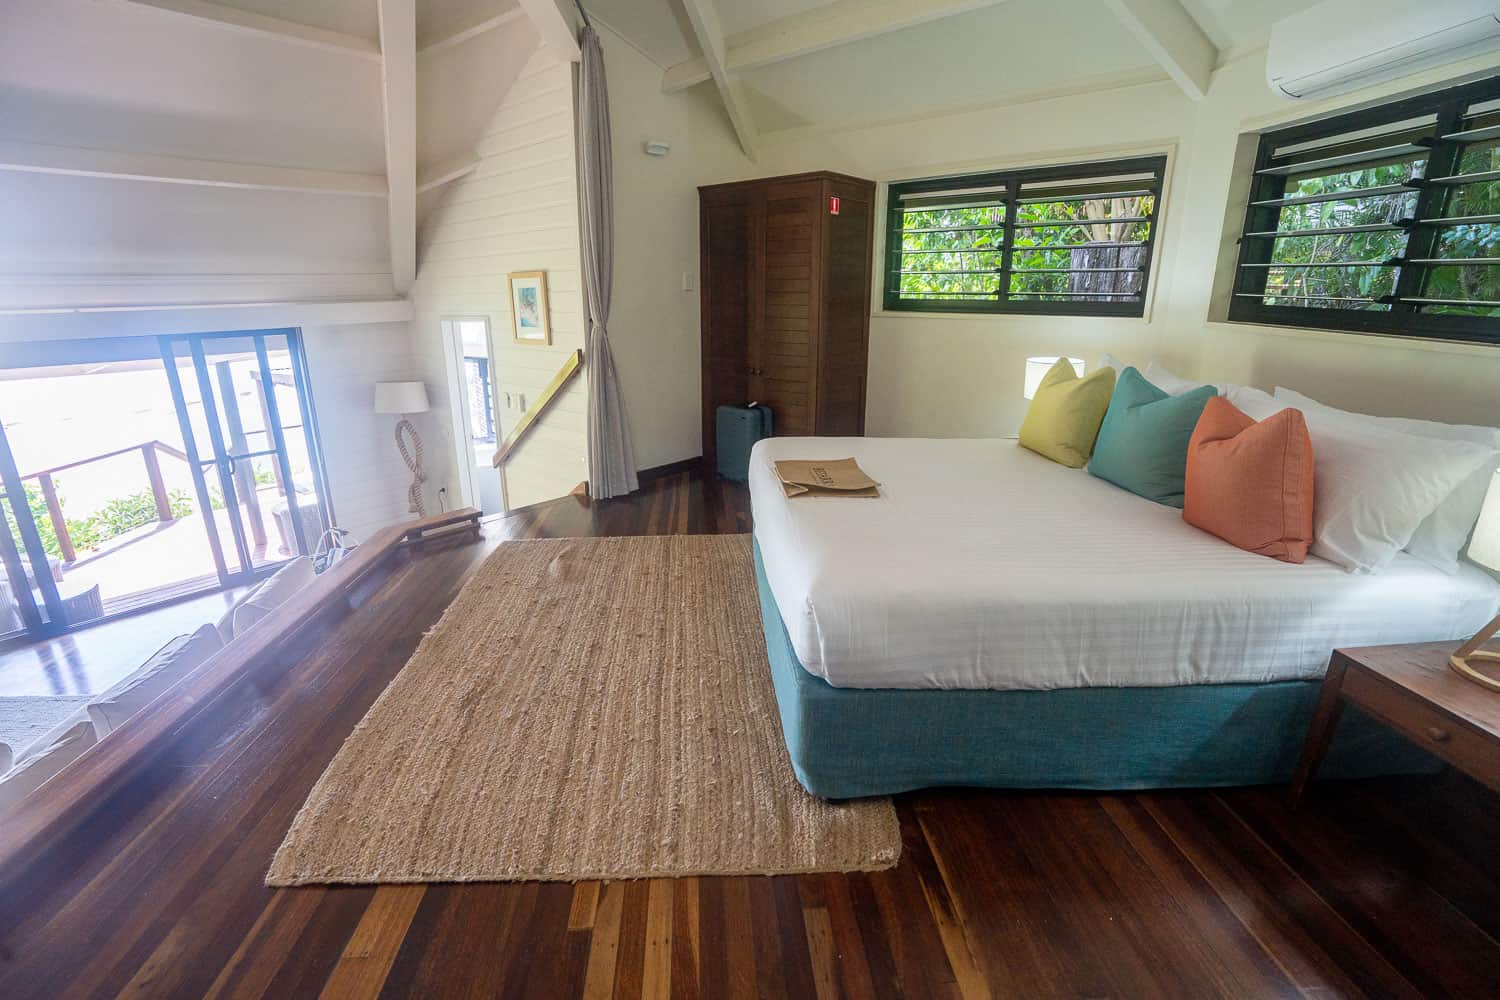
x: 366, y: 475
x: 962, y: 375
x: 653, y: 323
x: 517, y: 212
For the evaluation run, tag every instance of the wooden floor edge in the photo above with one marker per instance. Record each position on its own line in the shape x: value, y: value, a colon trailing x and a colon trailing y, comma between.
x: 41, y: 818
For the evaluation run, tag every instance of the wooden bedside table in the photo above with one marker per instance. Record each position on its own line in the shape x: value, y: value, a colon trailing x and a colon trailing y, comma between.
x: 1410, y: 689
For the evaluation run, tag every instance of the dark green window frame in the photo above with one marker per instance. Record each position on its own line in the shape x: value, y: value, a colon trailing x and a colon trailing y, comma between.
x: 1009, y: 191
x: 1436, y: 139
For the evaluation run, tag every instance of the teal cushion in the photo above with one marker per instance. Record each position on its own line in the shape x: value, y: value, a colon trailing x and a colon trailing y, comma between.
x: 1143, y: 442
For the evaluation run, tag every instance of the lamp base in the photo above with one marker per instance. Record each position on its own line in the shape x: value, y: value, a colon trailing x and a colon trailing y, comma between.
x: 415, y: 503
x: 1470, y: 650
x: 1461, y: 666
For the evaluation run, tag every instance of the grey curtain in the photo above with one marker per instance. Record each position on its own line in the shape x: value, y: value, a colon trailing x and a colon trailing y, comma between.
x: 611, y: 460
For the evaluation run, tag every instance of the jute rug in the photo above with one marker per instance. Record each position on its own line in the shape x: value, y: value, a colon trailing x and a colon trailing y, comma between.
x: 586, y: 708
x: 24, y: 720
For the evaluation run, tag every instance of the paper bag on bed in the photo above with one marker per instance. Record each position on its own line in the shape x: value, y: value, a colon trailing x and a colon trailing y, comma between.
x: 839, y: 478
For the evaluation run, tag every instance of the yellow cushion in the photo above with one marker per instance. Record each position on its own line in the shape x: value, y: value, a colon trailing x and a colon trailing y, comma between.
x: 1066, y: 412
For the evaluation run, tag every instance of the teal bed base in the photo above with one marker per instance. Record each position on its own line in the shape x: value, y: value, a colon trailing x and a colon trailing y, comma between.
x: 851, y: 742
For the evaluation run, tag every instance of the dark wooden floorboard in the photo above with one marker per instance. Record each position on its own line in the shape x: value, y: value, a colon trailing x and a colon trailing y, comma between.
x: 1381, y: 888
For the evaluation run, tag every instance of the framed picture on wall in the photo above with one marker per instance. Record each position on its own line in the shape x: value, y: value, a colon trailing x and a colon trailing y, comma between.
x: 528, y: 307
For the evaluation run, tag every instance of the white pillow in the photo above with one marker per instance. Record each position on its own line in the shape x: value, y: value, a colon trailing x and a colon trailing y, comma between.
x: 1245, y: 397
x: 1110, y: 361
x: 64, y: 744
x: 1254, y: 403
x: 1168, y: 382
x: 270, y: 595
x: 5, y: 757
x: 1372, y: 487
x: 167, y: 666
x: 1175, y: 385
x: 225, y: 625
x: 1441, y: 536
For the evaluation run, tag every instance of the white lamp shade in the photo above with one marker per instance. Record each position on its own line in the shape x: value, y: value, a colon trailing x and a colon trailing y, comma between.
x: 1037, y: 369
x: 400, y: 397
x: 1484, y: 547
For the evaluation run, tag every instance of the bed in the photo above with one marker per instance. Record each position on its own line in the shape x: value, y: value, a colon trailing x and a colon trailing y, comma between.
x: 997, y: 619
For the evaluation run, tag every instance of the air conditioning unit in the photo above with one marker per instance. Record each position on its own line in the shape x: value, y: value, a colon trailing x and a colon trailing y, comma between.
x: 1342, y: 45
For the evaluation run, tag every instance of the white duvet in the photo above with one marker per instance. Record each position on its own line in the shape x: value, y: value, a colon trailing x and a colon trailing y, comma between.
x: 983, y: 565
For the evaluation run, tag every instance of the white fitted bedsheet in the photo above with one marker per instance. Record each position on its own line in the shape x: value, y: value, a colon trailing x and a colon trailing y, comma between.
x: 983, y: 565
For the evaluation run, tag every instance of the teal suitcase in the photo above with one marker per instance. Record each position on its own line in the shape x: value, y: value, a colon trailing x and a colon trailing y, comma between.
x: 736, y: 429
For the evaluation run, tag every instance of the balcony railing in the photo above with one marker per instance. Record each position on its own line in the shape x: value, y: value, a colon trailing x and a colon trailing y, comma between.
x: 150, y: 454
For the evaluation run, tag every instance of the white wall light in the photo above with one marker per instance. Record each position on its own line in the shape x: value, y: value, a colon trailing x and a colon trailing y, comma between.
x: 1037, y: 369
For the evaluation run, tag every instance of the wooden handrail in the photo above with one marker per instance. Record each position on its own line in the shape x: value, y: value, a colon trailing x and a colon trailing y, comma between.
x: 534, y: 412
x: 71, y: 796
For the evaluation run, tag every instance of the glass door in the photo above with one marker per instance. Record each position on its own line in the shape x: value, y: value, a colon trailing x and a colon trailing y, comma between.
x: 248, y: 428
x: 29, y: 599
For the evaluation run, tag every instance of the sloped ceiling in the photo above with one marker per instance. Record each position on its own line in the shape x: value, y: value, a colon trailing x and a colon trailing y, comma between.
x: 967, y: 54
x: 101, y: 75
x: 1025, y: 46
x: 126, y: 76
x: 449, y: 118
x: 1236, y: 26
x: 129, y: 78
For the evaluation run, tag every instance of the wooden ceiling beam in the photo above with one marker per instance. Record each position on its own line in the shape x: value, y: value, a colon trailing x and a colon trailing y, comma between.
x: 1174, y: 40
x: 398, y: 78
x: 704, y: 19
x: 558, y: 31
x: 457, y: 35
x: 80, y: 162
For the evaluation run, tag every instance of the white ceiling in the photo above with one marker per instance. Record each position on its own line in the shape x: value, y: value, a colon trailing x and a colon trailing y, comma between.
x: 122, y: 77
x: 742, y: 15
x: 107, y: 76
x: 656, y: 27
x: 1239, y: 25
x: 990, y: 55
x: 128, y: 77
x: 1024, y: 46
x: 361, y: 17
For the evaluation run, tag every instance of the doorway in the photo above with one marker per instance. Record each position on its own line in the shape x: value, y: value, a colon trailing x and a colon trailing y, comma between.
x: 476, y: 425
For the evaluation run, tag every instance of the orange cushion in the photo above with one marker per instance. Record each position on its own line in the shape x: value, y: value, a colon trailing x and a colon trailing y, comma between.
x: 1251, y: 483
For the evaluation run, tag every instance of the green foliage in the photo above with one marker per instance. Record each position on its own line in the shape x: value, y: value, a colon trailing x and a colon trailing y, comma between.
x: 262, y: 477
x: 37, y: 505
x: 955, y: 252
x: 119, y: 515
x: 941, y: 244
x: 1344, y: 273
x: 123, y: 514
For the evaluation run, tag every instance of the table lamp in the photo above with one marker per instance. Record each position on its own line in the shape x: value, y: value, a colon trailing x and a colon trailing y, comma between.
x: 1037, y: 369
x: 1484, y: 549
x: 403, y: 398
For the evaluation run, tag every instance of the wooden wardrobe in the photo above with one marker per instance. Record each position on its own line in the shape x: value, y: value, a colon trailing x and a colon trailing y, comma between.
x: 786, y: 300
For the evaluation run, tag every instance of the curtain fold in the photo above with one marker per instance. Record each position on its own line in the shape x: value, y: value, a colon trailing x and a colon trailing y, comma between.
x: 611, y: 459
